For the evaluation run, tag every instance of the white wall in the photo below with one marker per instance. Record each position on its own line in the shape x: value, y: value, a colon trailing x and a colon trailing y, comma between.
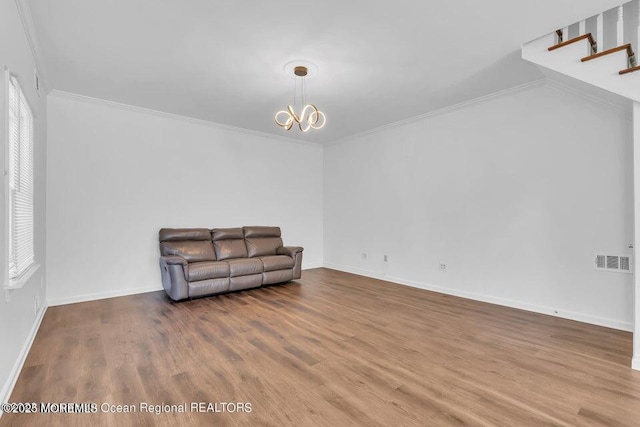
x: 117, y: 174
x: 635, y: 363
x: 18, y: 319
x: 515, y: 194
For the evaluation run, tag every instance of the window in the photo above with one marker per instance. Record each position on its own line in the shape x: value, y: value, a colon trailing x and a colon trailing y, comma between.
x: 20, y: 182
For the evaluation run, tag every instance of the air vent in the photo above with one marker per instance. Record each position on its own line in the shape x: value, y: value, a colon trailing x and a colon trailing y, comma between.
x: 614, y: 263
x: 625, y: 263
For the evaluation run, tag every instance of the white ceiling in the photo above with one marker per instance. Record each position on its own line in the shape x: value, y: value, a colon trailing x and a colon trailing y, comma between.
x: 221, y: 61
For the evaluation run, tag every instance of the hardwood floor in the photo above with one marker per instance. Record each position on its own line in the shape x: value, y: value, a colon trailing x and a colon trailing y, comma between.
x: 330, y: 349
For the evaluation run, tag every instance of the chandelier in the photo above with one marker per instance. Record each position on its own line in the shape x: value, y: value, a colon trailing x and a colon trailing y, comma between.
x: 310, y: 117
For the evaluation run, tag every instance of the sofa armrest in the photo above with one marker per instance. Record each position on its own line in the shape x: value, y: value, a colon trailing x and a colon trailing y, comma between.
x: 289, y: 250
x: 174, y: 271
x: 174, y: 260
x: 294, y: 252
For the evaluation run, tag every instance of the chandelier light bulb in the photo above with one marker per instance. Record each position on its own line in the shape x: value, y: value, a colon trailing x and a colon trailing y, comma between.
x: 309, y: 118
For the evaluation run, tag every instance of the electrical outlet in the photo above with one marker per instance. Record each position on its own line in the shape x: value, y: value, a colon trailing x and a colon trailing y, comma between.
x: 386, y: 259
x: 443, y: 266
x: 365, y: 255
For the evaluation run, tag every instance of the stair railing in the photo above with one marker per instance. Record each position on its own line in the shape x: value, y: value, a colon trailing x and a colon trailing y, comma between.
x: 602, y: 22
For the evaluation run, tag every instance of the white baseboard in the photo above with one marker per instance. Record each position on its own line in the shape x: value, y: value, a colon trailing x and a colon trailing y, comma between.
x: 102, y: 295
x: 7, y: 389
x: 311, y: 265
x: 580, y: 317
x: 358, y: 271
x: 635, y: 363
x: 131, y: 291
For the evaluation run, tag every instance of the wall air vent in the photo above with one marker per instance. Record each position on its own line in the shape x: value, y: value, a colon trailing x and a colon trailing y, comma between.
x: 625, y: 263
x: 614, y: 263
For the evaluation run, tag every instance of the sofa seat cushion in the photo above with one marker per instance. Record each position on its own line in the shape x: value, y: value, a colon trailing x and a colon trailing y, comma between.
x: 208, y: 270
x: 277, y: 262
x: 244, y: 266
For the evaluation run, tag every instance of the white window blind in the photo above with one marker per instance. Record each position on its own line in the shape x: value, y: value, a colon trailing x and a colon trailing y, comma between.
x: 20, y: 174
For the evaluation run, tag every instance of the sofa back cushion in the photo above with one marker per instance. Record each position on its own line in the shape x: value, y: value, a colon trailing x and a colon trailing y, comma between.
x: 229, y: 243
x: 192, y: 244
x: 262, y: 241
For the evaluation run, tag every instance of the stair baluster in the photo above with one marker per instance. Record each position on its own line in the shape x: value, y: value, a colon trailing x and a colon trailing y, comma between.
x: 620, y: 27
x: 638, y: 30
x: 599, y: 32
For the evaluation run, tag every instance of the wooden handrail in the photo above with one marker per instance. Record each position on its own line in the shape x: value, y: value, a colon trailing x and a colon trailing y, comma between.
x: 587, y: 36
x: 630, y: 55
x: 626, y: 47
x: 629, y: 70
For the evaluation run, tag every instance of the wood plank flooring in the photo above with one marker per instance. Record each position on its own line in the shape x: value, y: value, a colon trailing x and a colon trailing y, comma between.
x: 331, y: 349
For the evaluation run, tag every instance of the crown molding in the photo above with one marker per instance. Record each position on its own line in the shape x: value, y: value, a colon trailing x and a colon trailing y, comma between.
x: 132, y: 108
x: 29, y: 30
x: 625, y: 113
x: 440, y: 111
x: 544, y: 81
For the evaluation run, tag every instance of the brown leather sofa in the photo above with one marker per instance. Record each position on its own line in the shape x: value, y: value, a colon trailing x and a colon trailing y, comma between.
x: 196, y: 262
